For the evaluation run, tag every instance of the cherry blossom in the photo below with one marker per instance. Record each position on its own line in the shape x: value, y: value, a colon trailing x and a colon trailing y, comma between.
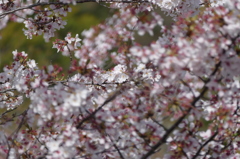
x: 176, y: 97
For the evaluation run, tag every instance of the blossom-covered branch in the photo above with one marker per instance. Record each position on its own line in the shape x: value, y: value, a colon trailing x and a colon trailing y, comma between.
x: 176, y: 97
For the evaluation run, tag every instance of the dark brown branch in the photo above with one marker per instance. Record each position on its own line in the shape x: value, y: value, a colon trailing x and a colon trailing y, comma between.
x: 7, y: 111
x: 187, y: 85
x: 161, y: 125
x: 205, y: 88
x: 185, y: 154
x: 174, y: 126
x: 112, y: 97
x: 88, y: 84
x: 8, y: 90
x: 202, y: 146
x: 165, y: 136
x: 60, y: 3
x: 21, y: 123
x: 115, y: 146
x: 107, y: 151
x: 8, y: 145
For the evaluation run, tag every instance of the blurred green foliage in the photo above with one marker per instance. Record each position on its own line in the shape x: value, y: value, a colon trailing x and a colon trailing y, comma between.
x: 82, y: 17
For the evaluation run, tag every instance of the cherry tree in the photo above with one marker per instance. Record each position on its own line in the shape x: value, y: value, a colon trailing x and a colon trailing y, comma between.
x: 177, y: 97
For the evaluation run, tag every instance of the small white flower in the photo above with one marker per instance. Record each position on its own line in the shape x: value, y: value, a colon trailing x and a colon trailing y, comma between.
x: 53, y: 146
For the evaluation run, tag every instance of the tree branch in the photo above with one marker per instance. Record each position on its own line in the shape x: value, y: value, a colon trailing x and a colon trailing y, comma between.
x: 112, y: 97
x: 166, y: 135
x: 170, y: 130
x: 60, y: 3
x: 199, y: 150
x: 7, y: 111
x: 115, y: 146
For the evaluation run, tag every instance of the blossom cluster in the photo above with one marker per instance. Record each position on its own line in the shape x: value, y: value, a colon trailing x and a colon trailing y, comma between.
x: 177, y: 97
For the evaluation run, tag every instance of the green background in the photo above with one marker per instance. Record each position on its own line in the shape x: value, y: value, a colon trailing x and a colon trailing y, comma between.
x: 82, y: 17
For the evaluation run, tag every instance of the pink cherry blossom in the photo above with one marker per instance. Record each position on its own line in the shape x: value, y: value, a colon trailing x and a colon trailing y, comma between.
x: 176, y: 97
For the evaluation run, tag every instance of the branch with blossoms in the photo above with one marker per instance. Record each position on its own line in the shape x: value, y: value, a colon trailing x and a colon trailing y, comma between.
x: 91, y: 115
x: 48, y: 15
x: 7, y: 6
x: 180, y: 92
x: 186, y: 113
x: 202, y: 146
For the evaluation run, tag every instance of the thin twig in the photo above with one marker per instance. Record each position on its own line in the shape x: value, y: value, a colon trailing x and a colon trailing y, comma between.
x: 115, y: 146
x: 175, y: 125
x: 60, y: 3
x: 112, y: 97
x: 202, y: 146
x: 153, y: 119
x: 165, y: 136
x: 21, y: 123
x: 8, y: 90
x: 7, y: 111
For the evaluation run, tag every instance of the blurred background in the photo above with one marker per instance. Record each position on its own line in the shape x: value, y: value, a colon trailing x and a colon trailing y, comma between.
x: 82, y: 17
